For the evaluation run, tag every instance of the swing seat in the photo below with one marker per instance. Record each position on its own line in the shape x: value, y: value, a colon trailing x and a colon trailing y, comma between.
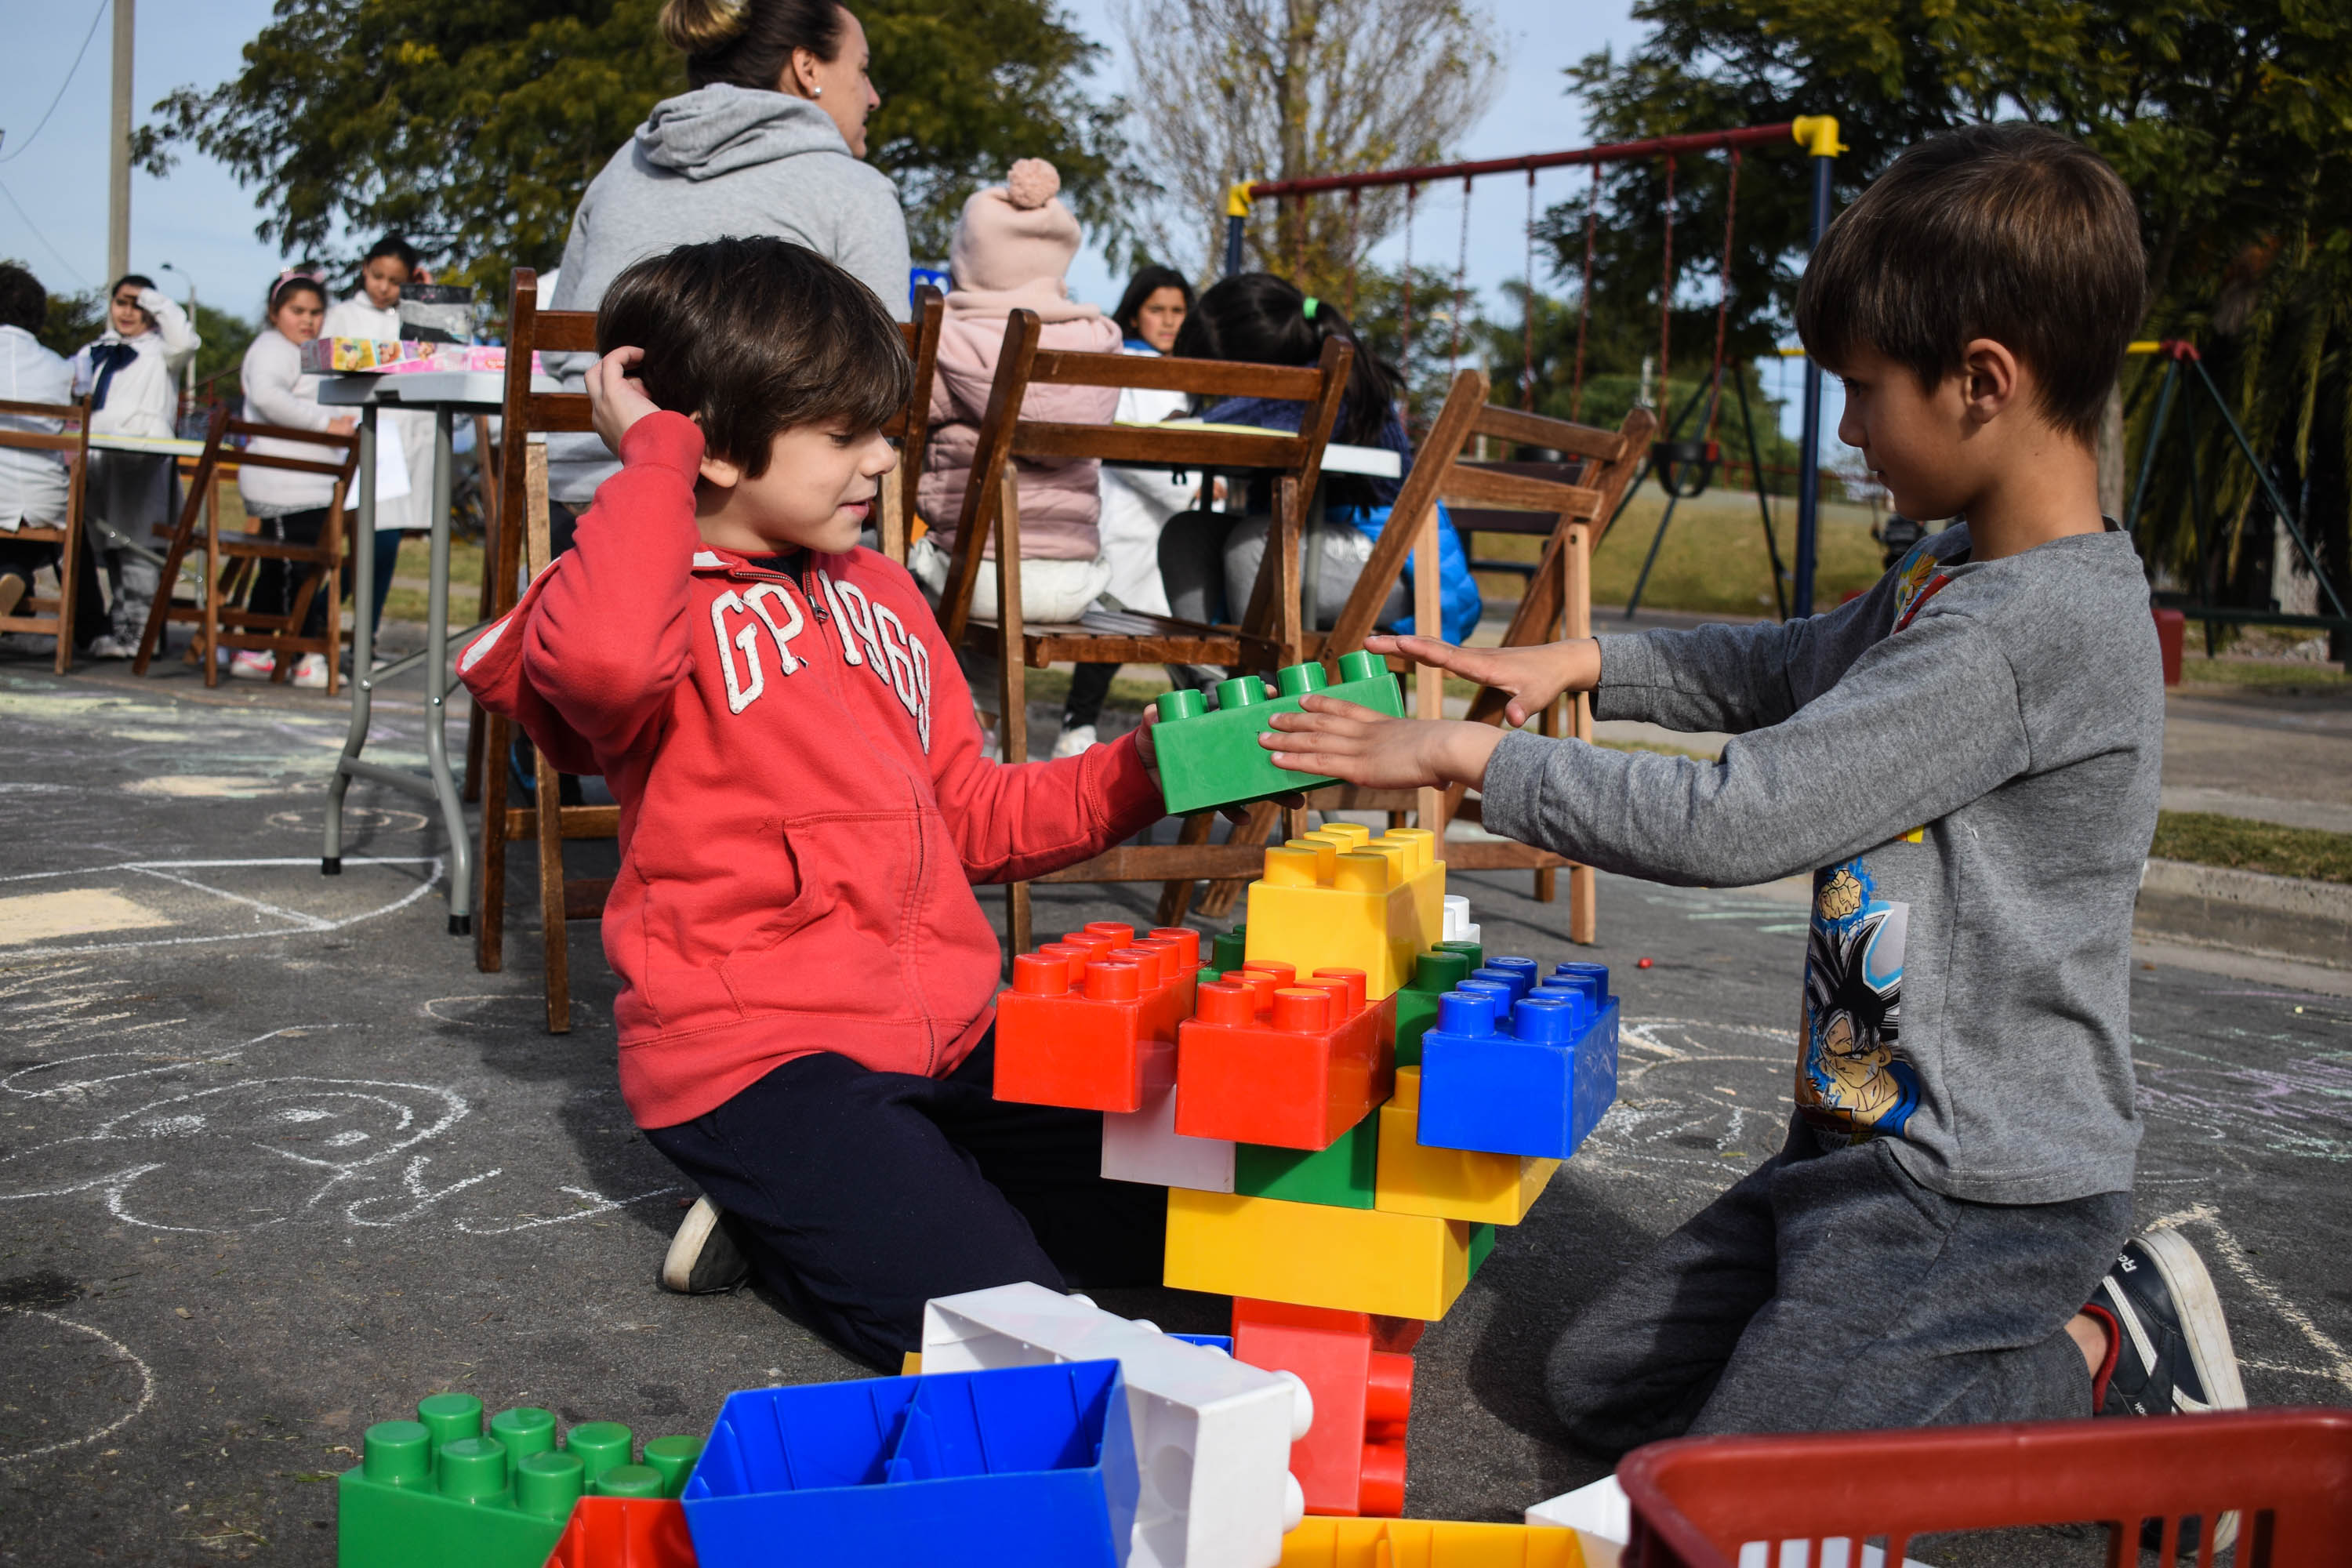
x: 1677, y: 462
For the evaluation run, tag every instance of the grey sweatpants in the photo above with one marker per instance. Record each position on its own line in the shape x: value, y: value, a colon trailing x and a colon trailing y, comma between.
x: 1829, y: 1291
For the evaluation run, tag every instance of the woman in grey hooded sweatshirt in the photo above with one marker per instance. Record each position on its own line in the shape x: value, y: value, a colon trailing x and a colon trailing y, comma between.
x: 769, y: 141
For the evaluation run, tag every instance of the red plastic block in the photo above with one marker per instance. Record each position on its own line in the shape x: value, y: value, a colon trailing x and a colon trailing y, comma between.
x: 625, y: 1532
x: 1353, y: 1459
x: 1265, y: 1060
x: 1090, y: 1023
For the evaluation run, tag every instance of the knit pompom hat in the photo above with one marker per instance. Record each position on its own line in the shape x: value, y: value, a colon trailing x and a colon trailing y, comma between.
x: 1017, y: 234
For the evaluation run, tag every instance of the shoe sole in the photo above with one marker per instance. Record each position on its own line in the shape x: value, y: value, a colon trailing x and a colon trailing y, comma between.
x: 2199, y: 1305
x: 686, y: 1249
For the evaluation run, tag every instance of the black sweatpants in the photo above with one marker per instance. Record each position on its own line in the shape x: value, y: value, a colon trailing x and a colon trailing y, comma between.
x: 1829, y: 1291
x: 862, y: 1194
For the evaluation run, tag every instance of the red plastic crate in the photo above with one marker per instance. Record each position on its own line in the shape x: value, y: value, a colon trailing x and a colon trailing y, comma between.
x: 2287, y: 1474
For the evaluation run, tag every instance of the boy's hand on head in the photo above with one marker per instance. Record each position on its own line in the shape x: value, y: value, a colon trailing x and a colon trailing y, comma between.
x: 616, y: 399
x: 1358, y: 746
x: 1531, y: 676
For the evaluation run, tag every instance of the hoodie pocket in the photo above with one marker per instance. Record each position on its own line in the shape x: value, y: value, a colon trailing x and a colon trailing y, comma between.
x: 832, y: 948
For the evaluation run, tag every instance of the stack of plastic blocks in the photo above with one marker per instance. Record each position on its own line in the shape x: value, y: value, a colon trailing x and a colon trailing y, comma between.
x: 1213, y: 1438
x: 1018, y: 1466
x: 437, y: 1489
x: 1090, y: 1022
x: 1208, y: 760
x: 1517, y: 1064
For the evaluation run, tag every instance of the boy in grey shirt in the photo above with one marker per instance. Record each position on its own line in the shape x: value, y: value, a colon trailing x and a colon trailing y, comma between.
x: 1965, y: 758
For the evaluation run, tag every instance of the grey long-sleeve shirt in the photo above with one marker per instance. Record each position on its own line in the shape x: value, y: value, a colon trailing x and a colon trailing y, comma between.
x: 1966, y: 759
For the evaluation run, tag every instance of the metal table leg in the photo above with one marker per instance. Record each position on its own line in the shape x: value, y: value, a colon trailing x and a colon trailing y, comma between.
x: 436, y: 688
x: 331, y: 859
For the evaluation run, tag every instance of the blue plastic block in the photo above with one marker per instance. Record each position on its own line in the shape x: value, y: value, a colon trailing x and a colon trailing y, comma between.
x: 1214, y: 1342
x: 1537, y: 1089
x: 1019, y: 1466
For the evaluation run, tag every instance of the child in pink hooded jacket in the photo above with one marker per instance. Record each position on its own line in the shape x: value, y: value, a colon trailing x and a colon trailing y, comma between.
x: 1012, y: 247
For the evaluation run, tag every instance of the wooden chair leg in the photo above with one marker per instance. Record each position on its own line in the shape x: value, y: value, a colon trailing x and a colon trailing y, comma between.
x: 150, y: 638
x: 1218, y: 901
x: 1012, y: 687
x: 490, y: 927
x: 1176, y: 898
x: 335, y: 614
x: 551, y: 897
x: 1575, y: 618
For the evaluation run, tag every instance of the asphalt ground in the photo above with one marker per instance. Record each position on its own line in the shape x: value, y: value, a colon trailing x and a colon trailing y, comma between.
x: 275, y: 1160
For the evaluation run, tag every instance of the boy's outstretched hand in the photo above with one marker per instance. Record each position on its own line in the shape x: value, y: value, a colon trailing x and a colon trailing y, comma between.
x: 616, y: 399
x: 1358, y: 746
x: 1532, y: 676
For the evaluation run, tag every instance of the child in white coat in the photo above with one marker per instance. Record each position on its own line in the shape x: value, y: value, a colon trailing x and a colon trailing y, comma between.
x: 373, y: 313
x: 289, y: 506
x: 131, y: 375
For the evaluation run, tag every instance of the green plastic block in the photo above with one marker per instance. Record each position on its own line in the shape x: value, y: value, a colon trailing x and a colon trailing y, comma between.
x: 1472, y: 950
x: 1339, y: 1177
x: 1433, y: 974
x: 1228, y: 951
x: 1482, y: 1242
x: 439, y: 1490
x: 1213, y: 759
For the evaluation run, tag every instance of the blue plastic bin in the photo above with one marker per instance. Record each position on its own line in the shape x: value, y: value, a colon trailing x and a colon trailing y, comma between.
x: 1019, y: 1466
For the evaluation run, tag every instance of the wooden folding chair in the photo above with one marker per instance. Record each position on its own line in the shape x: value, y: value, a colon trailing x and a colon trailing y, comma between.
x: 519, y: 538
x: 1578, y: 496
x: 521, y: 519
x: 1270, y: 633
x: 37, y: 613
x: 223, y: 621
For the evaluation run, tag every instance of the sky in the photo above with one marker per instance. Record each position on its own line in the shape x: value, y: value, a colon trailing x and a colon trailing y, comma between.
x: 199, y: 223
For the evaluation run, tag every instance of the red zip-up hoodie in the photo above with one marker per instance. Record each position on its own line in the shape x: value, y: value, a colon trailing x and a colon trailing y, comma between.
x: 804, y: 804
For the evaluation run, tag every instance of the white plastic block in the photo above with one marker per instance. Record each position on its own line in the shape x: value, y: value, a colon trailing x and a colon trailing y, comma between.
x: 1144, y: 1146
x: 1599, y: 1510
x: 1458, y: 926
x: 1211, y: 1436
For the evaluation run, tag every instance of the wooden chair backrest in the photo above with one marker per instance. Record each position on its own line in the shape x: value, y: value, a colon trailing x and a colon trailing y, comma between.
x: 1004, y: 435
x: 74, y: 437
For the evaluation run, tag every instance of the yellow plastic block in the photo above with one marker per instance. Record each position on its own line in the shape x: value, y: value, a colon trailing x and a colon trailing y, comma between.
x: 911, y: 1364
x: 1322, y: 1541
x: 1351, y: 1260
x: 1449, y: 1184
x: 1340, y: 899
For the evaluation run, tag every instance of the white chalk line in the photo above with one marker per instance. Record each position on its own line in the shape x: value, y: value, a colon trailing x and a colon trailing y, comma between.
x: 2339, y: 1364
x: 146, y: 1389
x: 161, y: 868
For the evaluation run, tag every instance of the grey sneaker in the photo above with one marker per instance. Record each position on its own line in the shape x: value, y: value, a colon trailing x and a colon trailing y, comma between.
x: 113, y: 647
x: 703, y: 1258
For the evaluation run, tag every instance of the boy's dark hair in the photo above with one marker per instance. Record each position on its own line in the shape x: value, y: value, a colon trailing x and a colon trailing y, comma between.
x: 2009, y: 232
x: 23, y: 301
x: 1148, y: 282
x: 751, y: 336
x: 1256, y: 318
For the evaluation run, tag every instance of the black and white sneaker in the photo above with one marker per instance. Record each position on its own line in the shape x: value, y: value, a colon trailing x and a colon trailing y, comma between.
x: 2172, y: 1354
x: 703, y: 1258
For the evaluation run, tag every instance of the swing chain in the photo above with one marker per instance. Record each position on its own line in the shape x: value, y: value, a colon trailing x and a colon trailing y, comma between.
x: 1461, y: 285
x: 1355, y: 216
x: 1585, y: 298
x: 1528, y: 311
x: 1666, y: 298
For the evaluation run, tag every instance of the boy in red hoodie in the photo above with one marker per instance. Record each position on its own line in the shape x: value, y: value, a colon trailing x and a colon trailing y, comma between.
x: 807, y: 981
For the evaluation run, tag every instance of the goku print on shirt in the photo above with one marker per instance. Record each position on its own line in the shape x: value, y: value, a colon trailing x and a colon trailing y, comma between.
x: 1852, y: 1081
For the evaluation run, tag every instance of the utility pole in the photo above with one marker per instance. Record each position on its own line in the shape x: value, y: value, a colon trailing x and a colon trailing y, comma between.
x: 117, y: 152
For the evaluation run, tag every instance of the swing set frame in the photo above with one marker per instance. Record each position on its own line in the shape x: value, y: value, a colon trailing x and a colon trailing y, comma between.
x: 1673, y: 459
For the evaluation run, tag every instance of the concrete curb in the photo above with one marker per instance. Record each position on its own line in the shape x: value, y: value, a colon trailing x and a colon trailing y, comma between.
x: 2216, y: 905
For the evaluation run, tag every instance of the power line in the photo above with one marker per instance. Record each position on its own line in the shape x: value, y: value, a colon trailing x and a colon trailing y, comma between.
x: 43, y: 238
x: 61, y: 98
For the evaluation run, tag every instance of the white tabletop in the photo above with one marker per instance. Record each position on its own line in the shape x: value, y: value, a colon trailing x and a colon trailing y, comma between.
x: 1379, y: 462
x: 482, y: 390
x: 171, y: 445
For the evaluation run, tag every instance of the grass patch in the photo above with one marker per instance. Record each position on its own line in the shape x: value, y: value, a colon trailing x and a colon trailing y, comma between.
x: 2208, y: 839
x: 1713, y: 560
x: 408, y: 604
x: 2196, y: 670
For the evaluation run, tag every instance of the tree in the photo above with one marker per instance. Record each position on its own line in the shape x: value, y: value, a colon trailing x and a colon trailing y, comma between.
x: 474, y: 128
x: 2231, y: 120
x: 1254, y: 90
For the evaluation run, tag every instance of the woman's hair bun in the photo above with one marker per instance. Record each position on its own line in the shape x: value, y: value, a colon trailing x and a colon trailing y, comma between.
x: 696, y: 26
x: 1032, y: 184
